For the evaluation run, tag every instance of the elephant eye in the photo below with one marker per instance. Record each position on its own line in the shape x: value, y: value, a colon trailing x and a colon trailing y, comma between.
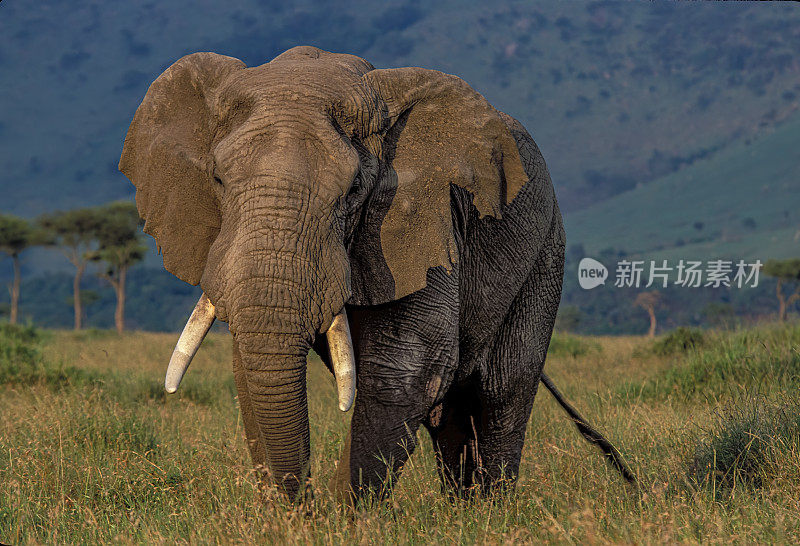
x: 218, y: 180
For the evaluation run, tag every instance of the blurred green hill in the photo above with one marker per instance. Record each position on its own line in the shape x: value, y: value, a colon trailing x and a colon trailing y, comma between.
x: 616, y: 94
x: 668, y: 128
x: 743, y: 202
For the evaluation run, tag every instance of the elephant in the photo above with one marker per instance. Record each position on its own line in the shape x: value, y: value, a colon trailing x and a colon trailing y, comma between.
x: 389, y: 219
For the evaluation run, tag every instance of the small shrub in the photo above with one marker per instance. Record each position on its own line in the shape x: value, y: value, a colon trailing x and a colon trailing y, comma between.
x: 140, y: 389
x: 20, y: 352
x: 104, y: 432
x: 143, y: 389
x: 746, y: 358
x: 16, y: 332
x: 747, y: 443
x: 568, y: 345
x: 568, y: 318
x: 749, y: 223
x: 679, y: 340
x: 22, y: 363
x: 134, y: 389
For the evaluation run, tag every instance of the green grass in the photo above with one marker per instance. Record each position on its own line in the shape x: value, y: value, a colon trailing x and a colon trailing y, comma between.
x: 755, y: 359
x: 113, y: 461
x: 22, y: 363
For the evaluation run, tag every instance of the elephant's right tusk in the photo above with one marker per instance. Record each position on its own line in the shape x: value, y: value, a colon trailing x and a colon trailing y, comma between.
x: 343, y: 358
x: 192, y: 336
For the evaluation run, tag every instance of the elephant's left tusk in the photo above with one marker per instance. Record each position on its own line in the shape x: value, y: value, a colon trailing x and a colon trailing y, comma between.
x: 192, y: 336
x: 343, y: 358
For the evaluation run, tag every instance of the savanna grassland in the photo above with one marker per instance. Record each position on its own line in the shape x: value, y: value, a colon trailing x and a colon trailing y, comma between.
x: 92, y: 450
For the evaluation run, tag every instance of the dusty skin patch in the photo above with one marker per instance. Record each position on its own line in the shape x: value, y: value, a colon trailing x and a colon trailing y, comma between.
x: 433, y: 386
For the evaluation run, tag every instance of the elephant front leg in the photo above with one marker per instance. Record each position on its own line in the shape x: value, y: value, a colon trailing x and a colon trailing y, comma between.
x: 395, y: 394
x: 406, y: 356
x: 381, y: 439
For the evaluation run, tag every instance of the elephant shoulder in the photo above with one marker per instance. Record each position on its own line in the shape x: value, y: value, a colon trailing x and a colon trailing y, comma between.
x: 538, y: 198
x: 532, y: 159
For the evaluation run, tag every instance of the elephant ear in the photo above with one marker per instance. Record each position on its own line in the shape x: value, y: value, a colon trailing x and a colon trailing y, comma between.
x: 167, y: 156
x: 436, y: 131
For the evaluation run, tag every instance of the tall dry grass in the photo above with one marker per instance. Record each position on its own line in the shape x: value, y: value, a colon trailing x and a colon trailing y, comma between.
x: 100, y: 454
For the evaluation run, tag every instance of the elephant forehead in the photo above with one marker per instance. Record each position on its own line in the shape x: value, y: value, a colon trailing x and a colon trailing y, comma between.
x: 296, y: 84
x: 306, y: 148
x: 284, y: 108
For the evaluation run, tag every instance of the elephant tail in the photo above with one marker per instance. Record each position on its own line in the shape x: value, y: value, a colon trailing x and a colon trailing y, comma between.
x: 609, y: 451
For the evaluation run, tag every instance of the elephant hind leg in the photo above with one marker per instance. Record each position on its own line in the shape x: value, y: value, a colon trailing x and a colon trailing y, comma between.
x: 478, y: 441
x: 482, y: 424
x: 510, y: 377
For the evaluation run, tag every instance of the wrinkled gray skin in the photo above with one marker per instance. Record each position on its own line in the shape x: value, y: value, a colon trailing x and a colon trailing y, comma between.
x: 314, y: 182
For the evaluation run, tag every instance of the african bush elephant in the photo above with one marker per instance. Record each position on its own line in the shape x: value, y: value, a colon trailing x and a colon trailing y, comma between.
x: 390, y: 219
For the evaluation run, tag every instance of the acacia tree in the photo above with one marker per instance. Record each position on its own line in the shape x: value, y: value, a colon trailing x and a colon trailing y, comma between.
x: 785, y: 271
x: 75, y: 232
x: 16, y: 236
x: 120, y: 246
x: 648, y: 301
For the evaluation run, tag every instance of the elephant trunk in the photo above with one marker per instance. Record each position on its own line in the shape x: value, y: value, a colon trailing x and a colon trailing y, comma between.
x: 273, y: 369
x: 274, y: 321
x: 279, y: 276
x: 269, y: 368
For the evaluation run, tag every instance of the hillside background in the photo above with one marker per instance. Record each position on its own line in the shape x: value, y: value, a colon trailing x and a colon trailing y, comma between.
x: 670, y: 129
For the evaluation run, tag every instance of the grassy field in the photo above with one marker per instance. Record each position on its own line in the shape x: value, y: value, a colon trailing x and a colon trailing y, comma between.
x: 91, y: 450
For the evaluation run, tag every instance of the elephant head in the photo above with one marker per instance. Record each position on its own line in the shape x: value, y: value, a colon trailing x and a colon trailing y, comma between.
x: 289, y: 189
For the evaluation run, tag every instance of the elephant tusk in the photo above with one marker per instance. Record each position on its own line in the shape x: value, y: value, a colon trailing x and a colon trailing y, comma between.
x: 343, y: 358
x: 192, y: 336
